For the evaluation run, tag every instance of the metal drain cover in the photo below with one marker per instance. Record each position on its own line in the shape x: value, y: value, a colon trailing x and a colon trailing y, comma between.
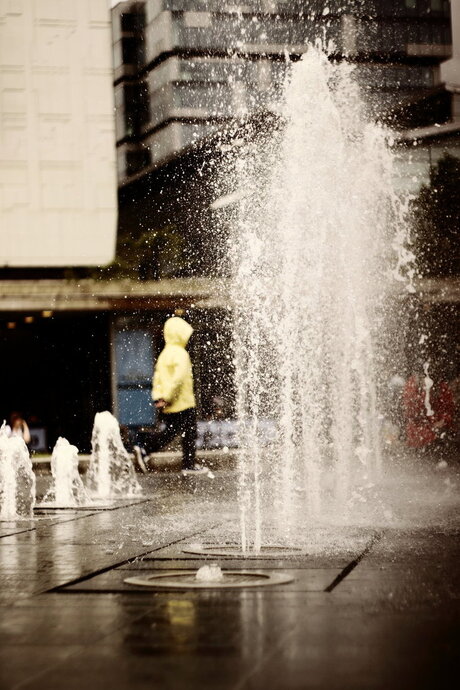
x: 233, y: 579
x: 236, y: 552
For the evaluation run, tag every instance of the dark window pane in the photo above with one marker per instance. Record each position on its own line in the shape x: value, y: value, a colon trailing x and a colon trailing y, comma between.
x: 128, y: 22
x: 129, y: 48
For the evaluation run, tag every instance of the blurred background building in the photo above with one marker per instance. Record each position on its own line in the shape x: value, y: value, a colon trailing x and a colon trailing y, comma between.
x: 57, y: 165
x: 58, y: 206
x: 185, y: 67
x: 188, y: 76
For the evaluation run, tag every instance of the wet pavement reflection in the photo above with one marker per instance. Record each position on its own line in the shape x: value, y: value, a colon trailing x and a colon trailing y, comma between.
x: 69, y: 620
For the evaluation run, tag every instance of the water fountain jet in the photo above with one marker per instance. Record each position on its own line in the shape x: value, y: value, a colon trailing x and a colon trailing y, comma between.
x: 68, y: 489
x: 17, y: 480
x: 111, y: 472
x: 313, y: 250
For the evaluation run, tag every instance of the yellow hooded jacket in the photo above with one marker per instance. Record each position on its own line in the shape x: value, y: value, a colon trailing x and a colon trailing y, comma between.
x: 173, y: 376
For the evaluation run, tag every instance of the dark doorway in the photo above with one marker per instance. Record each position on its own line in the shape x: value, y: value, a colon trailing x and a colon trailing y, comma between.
x: 55, y: 370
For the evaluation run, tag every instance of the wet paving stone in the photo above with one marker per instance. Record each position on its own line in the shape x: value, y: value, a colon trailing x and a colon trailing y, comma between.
x: 390, y: 621
x: 113, y: 580
x: 140, y: 668
x: 27, y: 665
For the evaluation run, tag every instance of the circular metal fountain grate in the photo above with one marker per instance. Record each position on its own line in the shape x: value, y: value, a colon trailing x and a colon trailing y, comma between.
x: 232, y: 579
x: 236, y: 552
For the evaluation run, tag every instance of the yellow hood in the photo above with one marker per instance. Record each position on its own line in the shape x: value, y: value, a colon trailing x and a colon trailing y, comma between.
x: 177, y: 331
x: 173, y: 375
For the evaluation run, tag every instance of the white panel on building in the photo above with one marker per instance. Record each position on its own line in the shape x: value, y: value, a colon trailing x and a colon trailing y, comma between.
x: 58, y: 196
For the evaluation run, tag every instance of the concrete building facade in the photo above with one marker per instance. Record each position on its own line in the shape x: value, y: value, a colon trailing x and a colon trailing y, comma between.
x: 57, y: 163
x: 185, y: 68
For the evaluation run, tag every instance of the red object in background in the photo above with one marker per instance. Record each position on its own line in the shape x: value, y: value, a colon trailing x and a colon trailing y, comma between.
x: 421, y: 428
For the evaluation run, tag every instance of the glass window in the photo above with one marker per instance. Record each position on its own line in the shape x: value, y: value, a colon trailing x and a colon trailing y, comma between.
x: 439, y: 151
x: 134, y: 366
x: 117, y: 55
x: 136, y: 160
x: 134, y: 357
x: 129, y: 48
x: 135, y: 406
x: 411, y: 169
x: 128, y: 21
x: 121, y: 163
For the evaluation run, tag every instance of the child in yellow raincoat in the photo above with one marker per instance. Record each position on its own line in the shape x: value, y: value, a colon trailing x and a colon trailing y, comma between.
x: 173, y: 395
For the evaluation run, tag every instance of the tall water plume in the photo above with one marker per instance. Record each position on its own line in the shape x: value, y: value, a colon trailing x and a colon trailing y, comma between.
x: 17, y: 480
x: 317, y: 239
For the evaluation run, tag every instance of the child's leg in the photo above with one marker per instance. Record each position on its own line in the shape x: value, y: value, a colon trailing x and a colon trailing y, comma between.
x: 153, y: 442
x: 188, y: 438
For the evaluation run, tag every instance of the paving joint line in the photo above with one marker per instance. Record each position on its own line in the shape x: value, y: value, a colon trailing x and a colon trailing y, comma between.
x: 54, y: 520
x: 61, y: 589
x: 352, y: 565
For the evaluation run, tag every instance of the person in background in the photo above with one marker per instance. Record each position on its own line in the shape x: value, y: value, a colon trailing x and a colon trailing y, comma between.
x: 454, y: 385
x: 173, y: 396
x: 428, y: 410
x: 19, y: 427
